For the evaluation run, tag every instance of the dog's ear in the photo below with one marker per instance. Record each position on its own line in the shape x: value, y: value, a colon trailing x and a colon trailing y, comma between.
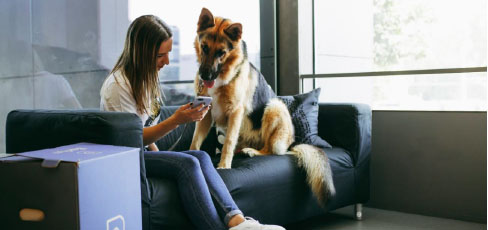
x: 206, y: 20
x: 234, y: 31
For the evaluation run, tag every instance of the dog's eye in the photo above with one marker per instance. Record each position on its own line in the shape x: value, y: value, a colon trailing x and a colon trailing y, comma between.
x: 205, y: 49
x: 220, y: 53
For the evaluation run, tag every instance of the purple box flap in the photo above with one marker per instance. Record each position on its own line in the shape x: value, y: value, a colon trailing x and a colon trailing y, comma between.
x: 76, y: 152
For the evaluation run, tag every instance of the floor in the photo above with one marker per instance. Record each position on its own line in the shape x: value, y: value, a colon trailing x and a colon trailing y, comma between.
x: 378, y: 219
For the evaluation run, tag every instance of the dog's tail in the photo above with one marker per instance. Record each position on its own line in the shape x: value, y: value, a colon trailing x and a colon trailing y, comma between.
x: 316, y: 165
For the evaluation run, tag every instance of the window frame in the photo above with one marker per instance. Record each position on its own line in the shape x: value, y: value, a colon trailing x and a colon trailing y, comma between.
x: 414, y: 72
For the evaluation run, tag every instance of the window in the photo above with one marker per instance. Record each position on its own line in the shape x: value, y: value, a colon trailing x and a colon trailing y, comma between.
x: 177, y: 78
x: 401, y: 55
x: 58, y: 54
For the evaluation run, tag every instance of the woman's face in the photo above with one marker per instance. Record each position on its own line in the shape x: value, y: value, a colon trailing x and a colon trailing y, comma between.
x: 162, y: 57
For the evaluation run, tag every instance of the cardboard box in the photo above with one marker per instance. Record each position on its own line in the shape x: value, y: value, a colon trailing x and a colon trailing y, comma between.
x: 81, y: 186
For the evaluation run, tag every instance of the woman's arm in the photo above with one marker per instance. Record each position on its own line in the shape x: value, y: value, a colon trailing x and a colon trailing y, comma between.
x: 153, y: 147
x: 153, y: 133
x: 182, y: 115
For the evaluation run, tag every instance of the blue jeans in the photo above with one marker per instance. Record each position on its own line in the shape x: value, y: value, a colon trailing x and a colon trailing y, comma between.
x: 198, y: 182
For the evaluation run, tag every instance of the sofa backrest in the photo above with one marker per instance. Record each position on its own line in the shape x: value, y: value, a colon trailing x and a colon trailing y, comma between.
x: 28, y: 130
x: 186, y: 133
x: 167, y: 141
x: 344, y: 125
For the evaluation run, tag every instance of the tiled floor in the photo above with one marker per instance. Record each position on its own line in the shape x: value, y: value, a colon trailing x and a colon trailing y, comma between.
x: 378, y: 219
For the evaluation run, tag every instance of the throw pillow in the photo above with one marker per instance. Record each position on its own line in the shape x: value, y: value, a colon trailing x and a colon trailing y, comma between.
x: 304, y: 111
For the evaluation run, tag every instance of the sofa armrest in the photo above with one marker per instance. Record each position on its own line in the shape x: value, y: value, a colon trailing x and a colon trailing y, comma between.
x: 347, y: 125
x: 28, y: 130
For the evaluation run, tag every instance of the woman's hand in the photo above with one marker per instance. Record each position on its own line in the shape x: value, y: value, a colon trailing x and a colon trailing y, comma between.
x: 186, y: 114
x: 182, y: 115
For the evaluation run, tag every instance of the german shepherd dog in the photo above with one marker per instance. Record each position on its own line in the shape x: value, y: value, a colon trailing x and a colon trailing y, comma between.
x: 254, y: 120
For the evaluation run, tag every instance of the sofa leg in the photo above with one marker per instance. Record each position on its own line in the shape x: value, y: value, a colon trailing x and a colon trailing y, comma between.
x: 358, y: 211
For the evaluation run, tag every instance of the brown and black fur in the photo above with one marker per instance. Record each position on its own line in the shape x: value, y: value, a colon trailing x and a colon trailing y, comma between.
x: 254, y: 128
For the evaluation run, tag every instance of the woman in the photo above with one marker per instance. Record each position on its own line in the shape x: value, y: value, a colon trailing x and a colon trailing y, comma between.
x: 133, y: 86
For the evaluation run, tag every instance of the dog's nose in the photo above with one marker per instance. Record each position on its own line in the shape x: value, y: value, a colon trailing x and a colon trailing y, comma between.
x: 204, y: 73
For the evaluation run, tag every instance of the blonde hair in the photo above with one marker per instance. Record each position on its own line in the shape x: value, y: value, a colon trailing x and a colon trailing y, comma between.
x: 138, y: 59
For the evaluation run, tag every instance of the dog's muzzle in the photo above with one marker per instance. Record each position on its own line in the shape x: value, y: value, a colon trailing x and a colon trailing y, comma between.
x: 205, y: 73
x: 207, y: 76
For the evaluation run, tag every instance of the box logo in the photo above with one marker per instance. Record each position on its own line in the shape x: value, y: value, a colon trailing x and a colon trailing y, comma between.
x: 116, y: 223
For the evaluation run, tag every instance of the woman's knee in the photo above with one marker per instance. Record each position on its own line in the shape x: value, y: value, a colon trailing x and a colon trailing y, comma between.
x: 190, y: 162
x: 201, y: 155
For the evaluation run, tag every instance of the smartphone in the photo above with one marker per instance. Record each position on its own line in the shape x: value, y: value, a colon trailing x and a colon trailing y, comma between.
x: 201, y: 100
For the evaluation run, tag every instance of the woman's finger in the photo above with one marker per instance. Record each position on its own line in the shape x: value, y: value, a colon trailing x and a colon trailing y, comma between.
x: 198, y: 108
x: 204, y: 110
x: 186, y: 106
x: 207, y: 108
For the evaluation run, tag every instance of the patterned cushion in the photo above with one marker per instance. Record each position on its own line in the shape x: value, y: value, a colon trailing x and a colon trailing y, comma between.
x: 304, y: 111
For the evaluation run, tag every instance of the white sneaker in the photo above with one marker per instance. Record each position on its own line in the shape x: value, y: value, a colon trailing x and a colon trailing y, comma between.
x: 252, y: 224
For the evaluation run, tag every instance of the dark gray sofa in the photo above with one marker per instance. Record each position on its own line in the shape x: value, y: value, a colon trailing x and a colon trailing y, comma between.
x: 271, y: 189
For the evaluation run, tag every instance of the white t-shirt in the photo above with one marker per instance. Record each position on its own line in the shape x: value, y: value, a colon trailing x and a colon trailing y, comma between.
x: 117, y: 96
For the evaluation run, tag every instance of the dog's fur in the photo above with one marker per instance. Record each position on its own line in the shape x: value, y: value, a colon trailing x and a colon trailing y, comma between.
x: 254, y: 120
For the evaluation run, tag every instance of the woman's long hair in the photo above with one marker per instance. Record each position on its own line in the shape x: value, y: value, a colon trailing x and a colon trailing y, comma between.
x: 138, y: 59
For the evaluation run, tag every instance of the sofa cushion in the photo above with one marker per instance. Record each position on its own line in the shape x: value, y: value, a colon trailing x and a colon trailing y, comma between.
x: 304, y: 111
x: 280, y: 193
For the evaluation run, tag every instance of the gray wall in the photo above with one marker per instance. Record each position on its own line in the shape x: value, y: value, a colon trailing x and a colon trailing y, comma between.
x: 430, y: 163
x: 55, y: 54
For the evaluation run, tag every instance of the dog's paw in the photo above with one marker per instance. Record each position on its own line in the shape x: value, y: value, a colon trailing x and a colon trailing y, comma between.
x: 225, y: 164
x: 250, y: 152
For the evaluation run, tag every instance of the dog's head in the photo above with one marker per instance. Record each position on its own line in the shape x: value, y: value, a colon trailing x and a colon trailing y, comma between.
x: 218, y: 46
